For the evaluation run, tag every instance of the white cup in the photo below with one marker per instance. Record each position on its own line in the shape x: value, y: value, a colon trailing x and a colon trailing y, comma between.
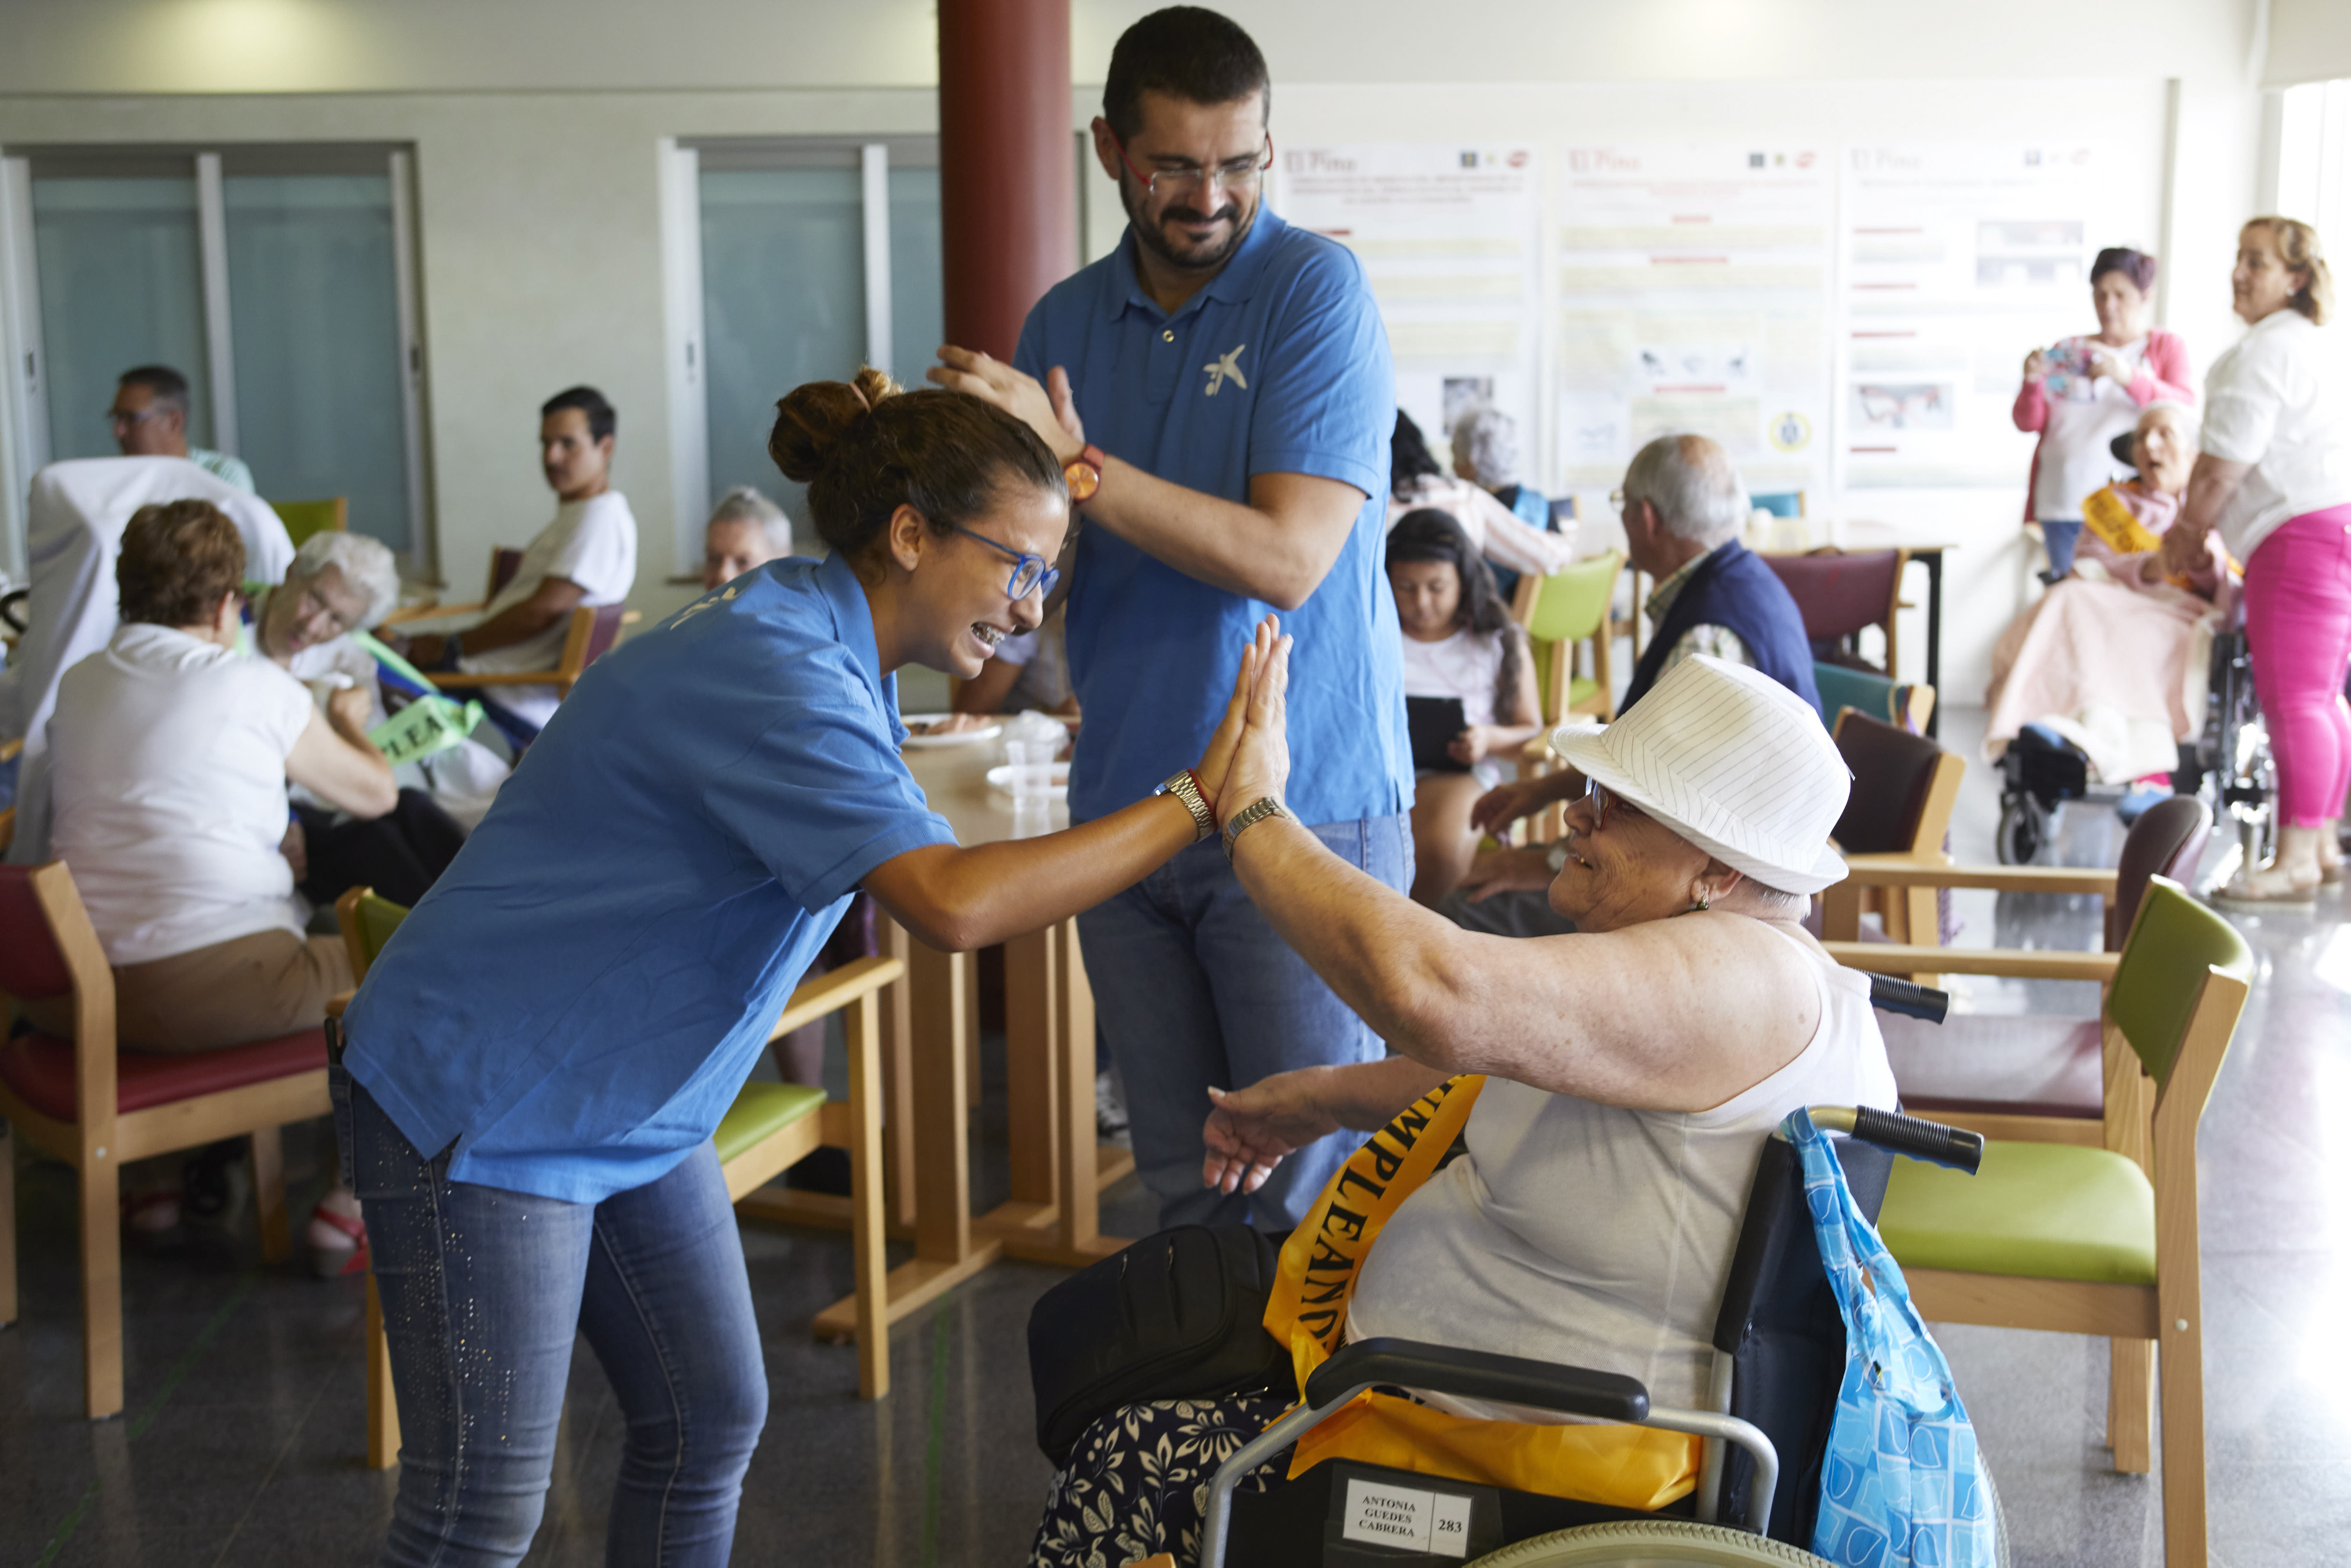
x: 1031, y: 765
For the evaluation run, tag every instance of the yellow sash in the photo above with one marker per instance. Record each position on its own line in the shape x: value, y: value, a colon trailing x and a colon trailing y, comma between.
x: 1625, y: 1467
x: 2110, y: 519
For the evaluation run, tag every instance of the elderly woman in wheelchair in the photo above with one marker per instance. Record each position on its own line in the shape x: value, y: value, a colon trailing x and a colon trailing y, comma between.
x: 1632, y: 1074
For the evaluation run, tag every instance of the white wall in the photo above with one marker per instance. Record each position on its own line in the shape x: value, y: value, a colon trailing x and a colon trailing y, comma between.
x: 536, y: 124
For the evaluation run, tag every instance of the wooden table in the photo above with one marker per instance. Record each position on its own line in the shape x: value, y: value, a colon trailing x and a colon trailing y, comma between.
x: 1059, y: 1165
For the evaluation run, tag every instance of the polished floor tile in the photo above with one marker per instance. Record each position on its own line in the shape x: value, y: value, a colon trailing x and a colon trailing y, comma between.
x: 242, y: 1441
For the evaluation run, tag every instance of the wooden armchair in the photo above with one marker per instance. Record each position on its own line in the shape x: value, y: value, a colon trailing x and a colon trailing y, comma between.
x: 2102, y: 1241
x: 770, y: 1127
x: 592, y: 631
x: 95, y: 1109
x: 1839, y: 593
x: 1904, y: 787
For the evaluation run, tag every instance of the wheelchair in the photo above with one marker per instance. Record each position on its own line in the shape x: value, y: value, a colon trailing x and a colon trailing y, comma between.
x: 2227, y: 763
x: 1780, y: 1351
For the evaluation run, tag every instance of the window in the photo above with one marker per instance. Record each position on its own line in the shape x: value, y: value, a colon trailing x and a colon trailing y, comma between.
x: 276, y: 279
x: 2314, y: 163
x: 789, y: 261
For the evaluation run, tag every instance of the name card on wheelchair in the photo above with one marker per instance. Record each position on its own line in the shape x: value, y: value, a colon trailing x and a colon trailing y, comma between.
x: 1379, y: 1513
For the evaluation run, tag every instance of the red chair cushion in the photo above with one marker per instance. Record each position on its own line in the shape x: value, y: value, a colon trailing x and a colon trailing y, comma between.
x: 1997, y: 1064
x: 40, y: 1069
x: 2027, y: 1065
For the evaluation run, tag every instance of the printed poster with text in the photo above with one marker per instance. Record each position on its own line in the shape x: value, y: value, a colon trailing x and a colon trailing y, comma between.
x: 1961, y: 258
x: 1694, y: 296
x: 1448, y: 235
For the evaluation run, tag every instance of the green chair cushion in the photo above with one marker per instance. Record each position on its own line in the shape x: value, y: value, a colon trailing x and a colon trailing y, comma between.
x: 761, y: 1111
x: 1581, y: 689
x: 2046, y: 1211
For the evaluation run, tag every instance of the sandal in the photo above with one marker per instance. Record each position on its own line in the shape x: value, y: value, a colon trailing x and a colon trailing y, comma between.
x: 2248, y: 896
x: 339, y: 1262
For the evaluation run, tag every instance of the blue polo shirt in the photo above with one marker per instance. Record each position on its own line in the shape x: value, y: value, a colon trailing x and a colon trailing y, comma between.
x: 580, y: 996
x: 1280, y: 365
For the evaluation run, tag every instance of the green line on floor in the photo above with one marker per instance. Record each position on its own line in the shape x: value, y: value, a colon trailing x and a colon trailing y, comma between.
x: 147, y: 1414
x: 935, y: 1445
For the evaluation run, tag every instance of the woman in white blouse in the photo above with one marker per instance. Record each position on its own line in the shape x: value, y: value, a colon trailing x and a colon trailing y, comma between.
x: 2275, y: 480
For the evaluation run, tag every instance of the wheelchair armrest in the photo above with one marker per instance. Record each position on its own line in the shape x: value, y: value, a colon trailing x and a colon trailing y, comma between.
x: 1479, y: 1374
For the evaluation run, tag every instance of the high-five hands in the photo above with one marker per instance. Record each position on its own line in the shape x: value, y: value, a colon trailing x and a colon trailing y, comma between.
x: 1216, y: 761
x: 1261, y: 765
x: 1050, y: 410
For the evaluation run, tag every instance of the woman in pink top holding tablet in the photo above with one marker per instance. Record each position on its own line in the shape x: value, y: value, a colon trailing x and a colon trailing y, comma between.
x: 2082, y: 392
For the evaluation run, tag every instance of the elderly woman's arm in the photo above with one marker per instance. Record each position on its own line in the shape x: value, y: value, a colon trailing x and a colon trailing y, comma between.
x: 1668, y: 1015
x: 334, y: 760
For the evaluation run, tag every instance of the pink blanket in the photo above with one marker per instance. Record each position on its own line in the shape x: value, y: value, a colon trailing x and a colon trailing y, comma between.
x: 2108, y: 653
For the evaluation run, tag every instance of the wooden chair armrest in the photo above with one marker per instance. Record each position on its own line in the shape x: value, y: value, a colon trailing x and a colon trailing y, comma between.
x: 632, y: 617
x: 11, y: 747
x: 338, y: 1001
x: 2014, y: 963
x: 835, y: 989
x: 1905, y: 870
x: 460, y: 680
x: 431, y: 608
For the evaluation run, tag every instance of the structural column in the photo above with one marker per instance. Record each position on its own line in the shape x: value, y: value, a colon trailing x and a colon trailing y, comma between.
x: 1008, y: 165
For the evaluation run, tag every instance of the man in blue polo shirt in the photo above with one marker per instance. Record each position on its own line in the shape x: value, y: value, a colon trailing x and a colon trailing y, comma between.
x: 1221, y: 384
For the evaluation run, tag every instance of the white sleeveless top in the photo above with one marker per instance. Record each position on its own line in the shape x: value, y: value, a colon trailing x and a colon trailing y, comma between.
x: 1593, y: 1236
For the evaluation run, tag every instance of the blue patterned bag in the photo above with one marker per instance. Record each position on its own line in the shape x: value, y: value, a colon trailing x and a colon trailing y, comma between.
x: 1902, y: 1482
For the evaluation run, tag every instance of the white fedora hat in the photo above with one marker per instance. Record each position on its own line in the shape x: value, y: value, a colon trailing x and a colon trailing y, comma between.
x: 1732, y: 761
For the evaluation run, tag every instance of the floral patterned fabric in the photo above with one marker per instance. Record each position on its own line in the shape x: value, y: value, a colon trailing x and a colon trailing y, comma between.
x: 1137, y: 1482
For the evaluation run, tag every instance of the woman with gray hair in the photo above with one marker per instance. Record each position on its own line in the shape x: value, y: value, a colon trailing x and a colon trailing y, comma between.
x: 746, y: 530
x: 1486, y: 452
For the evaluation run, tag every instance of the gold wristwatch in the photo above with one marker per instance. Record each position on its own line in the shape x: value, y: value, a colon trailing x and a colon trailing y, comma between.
x: 1248, y: 817
x: 1180, y: 785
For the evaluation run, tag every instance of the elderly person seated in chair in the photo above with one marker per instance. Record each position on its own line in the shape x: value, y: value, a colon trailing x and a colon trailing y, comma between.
x: 341, y: 583
x: 1632, y: 1072
x: 2114, y: 657
x: 170, y: 754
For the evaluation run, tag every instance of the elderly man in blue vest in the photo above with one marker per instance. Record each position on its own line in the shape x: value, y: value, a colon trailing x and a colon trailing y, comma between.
x: 1682, y: 505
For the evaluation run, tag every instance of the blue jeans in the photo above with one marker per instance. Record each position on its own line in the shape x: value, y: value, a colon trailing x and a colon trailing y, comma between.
x: 2060, y: 539
x: 1193, y: 988
x: 483, y: 1291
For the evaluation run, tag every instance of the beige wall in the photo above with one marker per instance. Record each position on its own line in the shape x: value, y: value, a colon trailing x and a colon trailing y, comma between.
x: 536, y: 121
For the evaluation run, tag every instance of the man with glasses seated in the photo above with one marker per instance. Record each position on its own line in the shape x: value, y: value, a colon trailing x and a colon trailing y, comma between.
x: 149, y: 419
x: 1219, y: 390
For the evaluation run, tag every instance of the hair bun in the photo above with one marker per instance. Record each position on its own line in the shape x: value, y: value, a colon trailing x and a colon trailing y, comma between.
x: 813, y: 420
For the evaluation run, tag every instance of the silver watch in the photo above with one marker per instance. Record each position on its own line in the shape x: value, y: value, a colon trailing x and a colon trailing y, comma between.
x: 1180, y: 785
x: 1248, y: 817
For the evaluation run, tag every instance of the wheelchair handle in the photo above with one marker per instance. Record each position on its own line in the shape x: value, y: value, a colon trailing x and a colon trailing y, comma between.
x: 1891, y: 994
x: 1931, y: 1141
x: 1479, y: 1374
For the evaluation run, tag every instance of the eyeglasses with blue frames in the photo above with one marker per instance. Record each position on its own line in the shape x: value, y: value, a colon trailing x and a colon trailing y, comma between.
x: 1030, y: 573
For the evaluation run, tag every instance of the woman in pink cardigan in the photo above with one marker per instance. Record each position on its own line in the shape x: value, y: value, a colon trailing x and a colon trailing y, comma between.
x: 2084, y: 392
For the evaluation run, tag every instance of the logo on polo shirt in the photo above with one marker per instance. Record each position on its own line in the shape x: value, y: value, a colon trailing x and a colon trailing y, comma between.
x: 1226, y: 367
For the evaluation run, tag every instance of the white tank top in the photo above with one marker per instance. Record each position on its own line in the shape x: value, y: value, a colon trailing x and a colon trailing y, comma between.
x: 1600, y: 1236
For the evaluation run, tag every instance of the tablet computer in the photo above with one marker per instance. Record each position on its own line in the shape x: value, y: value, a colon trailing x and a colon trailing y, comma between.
x: 1434, y: 722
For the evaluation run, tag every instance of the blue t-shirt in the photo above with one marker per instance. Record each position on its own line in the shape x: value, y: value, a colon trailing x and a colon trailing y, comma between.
x: 580, y: 998
x: 1280, y: 365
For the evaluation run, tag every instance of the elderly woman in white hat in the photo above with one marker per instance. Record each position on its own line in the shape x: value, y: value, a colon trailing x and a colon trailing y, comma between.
x: 1634, y: 1068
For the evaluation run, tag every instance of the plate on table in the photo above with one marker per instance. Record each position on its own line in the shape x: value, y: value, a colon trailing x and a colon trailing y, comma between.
x: 999, y: 779
x: 916, y: 721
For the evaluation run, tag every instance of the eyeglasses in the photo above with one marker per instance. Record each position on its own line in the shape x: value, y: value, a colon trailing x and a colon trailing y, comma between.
x: 313, y: 607
x: 1033, y: 574
x: 1242, y: 173
x: 1603, y: 801
x: 121, y: 421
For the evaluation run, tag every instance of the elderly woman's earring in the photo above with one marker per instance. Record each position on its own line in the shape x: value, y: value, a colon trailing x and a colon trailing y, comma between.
x: 1700, y: 907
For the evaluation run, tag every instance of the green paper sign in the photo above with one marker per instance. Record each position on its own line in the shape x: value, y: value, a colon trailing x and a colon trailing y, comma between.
x: 429, y: 723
